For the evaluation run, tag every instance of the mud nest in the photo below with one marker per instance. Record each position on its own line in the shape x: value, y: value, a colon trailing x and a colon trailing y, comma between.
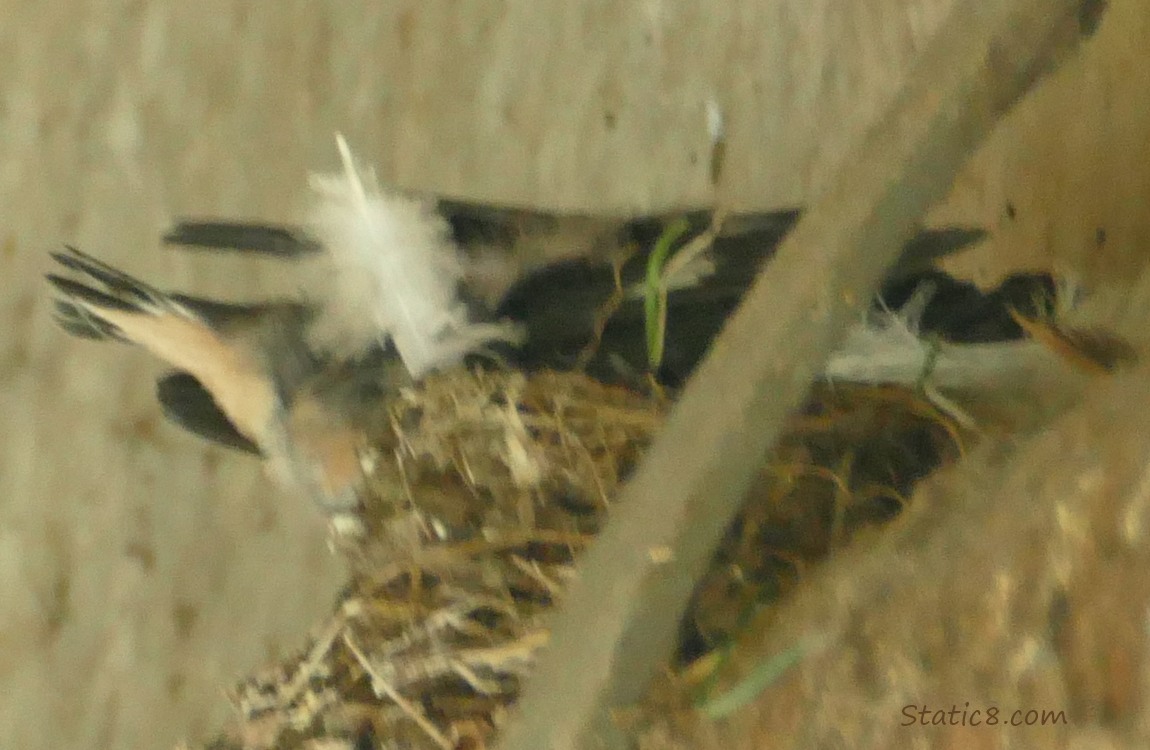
x: 481, y: 490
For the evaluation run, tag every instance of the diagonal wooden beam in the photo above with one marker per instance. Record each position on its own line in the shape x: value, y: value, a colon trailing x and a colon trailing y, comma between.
x: 619, y: 621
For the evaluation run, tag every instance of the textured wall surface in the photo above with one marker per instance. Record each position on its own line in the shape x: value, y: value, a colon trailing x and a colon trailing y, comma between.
x: 141, y: 571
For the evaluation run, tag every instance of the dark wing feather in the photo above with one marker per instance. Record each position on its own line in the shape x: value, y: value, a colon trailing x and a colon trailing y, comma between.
x: 268, y: 239
x: 187, y: 403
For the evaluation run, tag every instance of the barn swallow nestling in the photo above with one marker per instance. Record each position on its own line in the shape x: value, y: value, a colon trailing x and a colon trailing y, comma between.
x: 244, y: 375
x: 294, y: 380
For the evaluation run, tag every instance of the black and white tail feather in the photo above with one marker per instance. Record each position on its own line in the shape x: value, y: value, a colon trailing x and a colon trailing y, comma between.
x: 78, y: 311
x: 95, y: 295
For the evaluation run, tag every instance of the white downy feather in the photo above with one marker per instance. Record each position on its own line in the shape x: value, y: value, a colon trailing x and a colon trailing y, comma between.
x: 887, y: 348
x: 390, y: 269
x: 888, y: 352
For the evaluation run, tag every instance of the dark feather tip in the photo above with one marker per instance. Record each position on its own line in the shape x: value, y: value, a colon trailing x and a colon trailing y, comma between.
x: 268, y: 239
x: 78, y: 323
x: 75, y: 290
x: 113, y: 279
x: 188, y: 404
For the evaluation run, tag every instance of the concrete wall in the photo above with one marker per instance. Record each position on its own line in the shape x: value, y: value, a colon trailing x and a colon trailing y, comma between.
x: 139, y: 570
